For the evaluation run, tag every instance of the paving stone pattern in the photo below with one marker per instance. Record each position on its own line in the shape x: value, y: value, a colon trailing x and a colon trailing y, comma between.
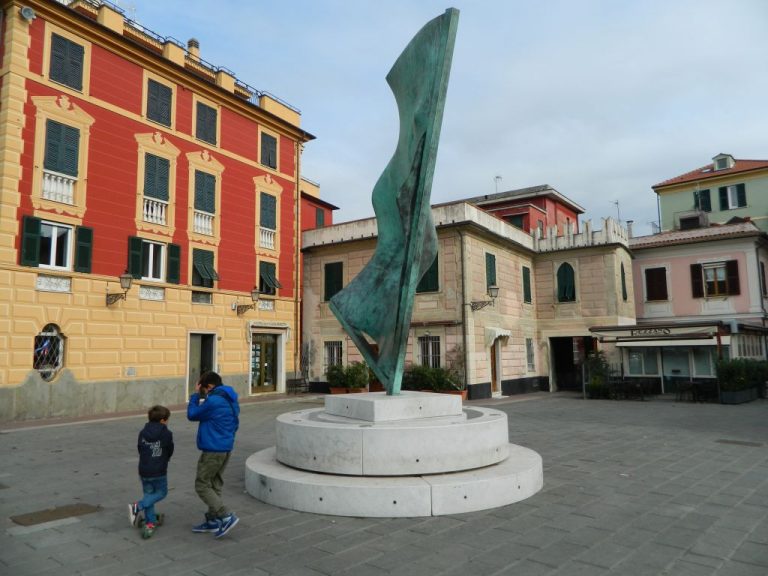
x: 630, y: 488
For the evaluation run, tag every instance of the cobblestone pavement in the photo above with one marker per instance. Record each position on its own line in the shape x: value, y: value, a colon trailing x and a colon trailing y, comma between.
x: 630, y: 488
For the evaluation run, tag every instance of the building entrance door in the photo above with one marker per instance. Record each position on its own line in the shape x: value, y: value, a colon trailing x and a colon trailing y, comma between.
x: 263, y: 363
x: 200, y: 357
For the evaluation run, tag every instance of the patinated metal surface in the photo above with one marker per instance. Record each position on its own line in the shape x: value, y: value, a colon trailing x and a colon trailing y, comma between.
x: 375, y: 308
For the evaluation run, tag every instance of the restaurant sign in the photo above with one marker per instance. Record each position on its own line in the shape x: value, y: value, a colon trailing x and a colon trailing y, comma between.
x: 654, y: 332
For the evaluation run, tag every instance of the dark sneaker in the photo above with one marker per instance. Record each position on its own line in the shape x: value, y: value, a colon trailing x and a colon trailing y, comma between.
x: 148, y: 530
x: 133, y: 513
x: 227, y: 523
x: 207, y: 526
x: 160, y: 519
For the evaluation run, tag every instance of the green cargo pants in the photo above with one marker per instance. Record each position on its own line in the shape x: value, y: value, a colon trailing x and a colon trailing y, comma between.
x: 209, y: 482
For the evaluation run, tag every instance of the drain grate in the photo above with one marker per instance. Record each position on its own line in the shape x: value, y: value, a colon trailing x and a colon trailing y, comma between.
x: 739, y: 442
x: 52, y: 514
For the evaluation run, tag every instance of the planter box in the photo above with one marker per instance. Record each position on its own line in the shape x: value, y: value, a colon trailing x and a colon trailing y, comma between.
x: 462, y: 393
x: 738, y: 396
x: 338, y: 390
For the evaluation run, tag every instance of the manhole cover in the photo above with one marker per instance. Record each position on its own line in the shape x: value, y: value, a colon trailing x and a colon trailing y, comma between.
x: 52, y: 514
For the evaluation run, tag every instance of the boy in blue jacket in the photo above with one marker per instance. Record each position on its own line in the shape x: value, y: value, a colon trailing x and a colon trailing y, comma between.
x: 214, y: 406
x: 155, y: 447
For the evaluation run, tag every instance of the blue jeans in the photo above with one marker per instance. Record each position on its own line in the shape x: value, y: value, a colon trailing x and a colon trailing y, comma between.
x: 155, y: 489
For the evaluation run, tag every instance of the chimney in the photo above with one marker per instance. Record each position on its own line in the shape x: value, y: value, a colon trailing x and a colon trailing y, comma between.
x: 193, y: 47
x: 629, y: 228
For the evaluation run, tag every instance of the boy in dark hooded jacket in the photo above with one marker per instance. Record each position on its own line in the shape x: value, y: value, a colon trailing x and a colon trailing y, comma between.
x: 155, y: 447
x: 215, y: 407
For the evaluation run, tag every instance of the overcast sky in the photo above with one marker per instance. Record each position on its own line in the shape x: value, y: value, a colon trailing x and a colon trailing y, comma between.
x: 599, y: 99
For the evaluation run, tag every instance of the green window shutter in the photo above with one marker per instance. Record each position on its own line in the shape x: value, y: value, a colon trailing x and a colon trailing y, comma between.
x: 268, y: 211
x: 334, y: 279
x: 156, y: 174
x: 429, y: 282
x: 83, y: 249
x: 135, y: 245
x: 30, y: 241
x: 75, y: 73
x: 723, y: 192
x: 624, y: 295
x: 268, y: 282
x: 205, y: 192
x: 490, y: 270
x: 527, y: 285
x: 58, y: 68
x: 173, y: 270
x: 62, y: 148
x: 159, y: 102
x: 319, y: 217
x: 705, y: 203
x: 566, y: 283
x: 697, y: 281
x: 204, y: 272
x: 741, y: 194
x: 732, y: 275
x: 268, y: 150
x: 206, y: 123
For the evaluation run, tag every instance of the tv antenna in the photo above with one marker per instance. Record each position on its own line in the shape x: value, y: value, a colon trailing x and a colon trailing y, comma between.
x: 497, y: 181
x: 618, y: 212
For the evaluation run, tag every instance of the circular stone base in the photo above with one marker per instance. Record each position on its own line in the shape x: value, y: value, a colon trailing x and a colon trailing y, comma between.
x: 516, y: 478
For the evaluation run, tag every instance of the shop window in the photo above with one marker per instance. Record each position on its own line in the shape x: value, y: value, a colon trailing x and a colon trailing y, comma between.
x: 643, y: 362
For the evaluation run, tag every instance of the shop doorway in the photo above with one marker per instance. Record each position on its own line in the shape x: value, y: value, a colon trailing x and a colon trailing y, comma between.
x: 201, y: 356
x: 264, y: 364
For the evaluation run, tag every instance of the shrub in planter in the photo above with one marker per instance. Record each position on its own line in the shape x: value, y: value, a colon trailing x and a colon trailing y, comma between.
x: 337, y: 378
x: 739, y: 379
x: 356, y: 376
x: 418, y: 377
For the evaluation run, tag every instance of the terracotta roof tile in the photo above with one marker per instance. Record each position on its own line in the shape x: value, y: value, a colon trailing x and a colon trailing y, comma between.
x: 709, y: 171
x: 694, y: 235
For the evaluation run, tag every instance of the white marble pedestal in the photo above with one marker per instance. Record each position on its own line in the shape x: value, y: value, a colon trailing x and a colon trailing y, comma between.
x: 415, y: 454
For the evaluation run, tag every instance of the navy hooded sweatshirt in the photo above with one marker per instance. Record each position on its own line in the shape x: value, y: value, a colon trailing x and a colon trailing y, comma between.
x: 155, y: 450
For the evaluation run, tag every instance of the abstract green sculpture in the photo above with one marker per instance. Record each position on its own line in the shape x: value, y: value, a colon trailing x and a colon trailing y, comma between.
x: 378, y: 303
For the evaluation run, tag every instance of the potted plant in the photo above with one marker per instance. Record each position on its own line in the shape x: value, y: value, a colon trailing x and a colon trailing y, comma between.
x: 738, y: 380
x: 337, y: 378
x: 443, y: 381
x: 597, y: 375
x: 356, y: 377
x: 417, y: 377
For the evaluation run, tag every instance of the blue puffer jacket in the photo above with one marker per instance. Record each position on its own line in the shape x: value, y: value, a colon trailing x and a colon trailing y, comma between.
x: 219, y: 418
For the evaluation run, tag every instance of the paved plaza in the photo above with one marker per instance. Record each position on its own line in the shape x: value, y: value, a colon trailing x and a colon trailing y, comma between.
x: 630, y: 488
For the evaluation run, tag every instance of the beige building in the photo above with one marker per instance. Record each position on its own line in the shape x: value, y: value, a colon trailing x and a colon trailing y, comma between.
x: 531, y: 336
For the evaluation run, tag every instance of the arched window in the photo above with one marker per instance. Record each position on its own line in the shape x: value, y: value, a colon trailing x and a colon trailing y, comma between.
x: 623, y: 283
x: 48, y: 354
x: 566, y: 283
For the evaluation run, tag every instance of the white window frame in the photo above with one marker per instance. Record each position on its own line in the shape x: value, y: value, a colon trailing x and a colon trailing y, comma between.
x: 733, y: 197
x: 333, y: 354
x: 150, y: 260
x: 429, y: 351
x: 54, y: 242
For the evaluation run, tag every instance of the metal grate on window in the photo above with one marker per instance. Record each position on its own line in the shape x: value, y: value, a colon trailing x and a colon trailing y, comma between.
x: 48, y: 354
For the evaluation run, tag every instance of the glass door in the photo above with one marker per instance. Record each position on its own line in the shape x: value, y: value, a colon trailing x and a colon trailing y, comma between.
x: 263, y: 363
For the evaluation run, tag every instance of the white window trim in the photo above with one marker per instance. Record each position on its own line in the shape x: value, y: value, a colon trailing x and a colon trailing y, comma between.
x: 54, y: 241
x: 163, y: 258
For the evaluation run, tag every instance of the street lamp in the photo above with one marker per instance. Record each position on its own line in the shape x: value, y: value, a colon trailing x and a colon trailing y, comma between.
x: 243, y: 308
x: 125, y: 283
x: 493, y: 292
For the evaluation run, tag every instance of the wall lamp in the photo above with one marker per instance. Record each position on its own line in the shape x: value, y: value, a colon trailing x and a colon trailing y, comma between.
x: 493, y: 292
x: 243, y: 308
x: 125, y: 283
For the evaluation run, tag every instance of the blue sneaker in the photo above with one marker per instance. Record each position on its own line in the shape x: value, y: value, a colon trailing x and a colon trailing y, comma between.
x: 227, y: 523
x: 207, y: 526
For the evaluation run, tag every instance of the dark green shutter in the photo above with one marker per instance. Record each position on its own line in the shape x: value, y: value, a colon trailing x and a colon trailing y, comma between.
x: 83, y: 249
x: 334, y: 279
x: 527, y: 285
x: 490, y: 270
x: 741, y: 195
x: 204, y: 272
x: 156, y: 174
x: 319, y: 217
x: 566, y: 283
x: 135, y: 245
x: 697, y: 281
x: 75, y: 71
x: 58, y: 68
x: 62, y: 144
x: 723, y: 191
x: 30, y: 241
x: 268, y: 150
x: 429, y: 282
x: 206, y: 123
x: 732, y: 275
x: 173, y: 271
x: 623, y: 283
x: 159, y: 102
x: 268, y: 211
x: 705, y: 203
x: 205, y: 192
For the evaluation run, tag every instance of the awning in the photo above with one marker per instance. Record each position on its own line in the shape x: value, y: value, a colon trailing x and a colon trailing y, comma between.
x: 206, y: 271
x: 270, y: 280
x: 724, y: 340
x: 491, y: 334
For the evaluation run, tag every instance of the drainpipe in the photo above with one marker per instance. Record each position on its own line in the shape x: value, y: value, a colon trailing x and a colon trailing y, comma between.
x: 658, y: 209
x: 464, y: 309
x: 297, y: 273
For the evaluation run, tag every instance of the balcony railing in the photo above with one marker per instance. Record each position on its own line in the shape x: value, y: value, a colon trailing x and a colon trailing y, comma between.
x: 155, y: 211
x: 267, y: 238
x: 203, y: 223
x: 59, y: 187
